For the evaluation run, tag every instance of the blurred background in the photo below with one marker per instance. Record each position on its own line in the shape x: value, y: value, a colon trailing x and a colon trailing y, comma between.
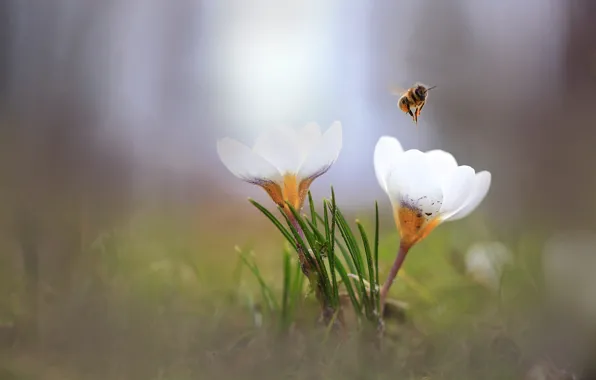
x: 112, y: 109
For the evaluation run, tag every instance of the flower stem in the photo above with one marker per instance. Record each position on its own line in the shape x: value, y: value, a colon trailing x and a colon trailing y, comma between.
x: 399, y: 260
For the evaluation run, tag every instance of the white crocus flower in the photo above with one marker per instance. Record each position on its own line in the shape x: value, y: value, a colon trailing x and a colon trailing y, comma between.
x: 425, y: 189
x: 284, y: 161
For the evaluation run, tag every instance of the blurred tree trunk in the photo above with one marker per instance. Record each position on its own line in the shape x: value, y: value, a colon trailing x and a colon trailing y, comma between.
x: 60, y: 179
x: 564, y: 136
x: 580, y: 57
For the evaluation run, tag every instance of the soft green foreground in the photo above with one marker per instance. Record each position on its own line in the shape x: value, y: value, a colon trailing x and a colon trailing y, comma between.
x: 158, y: 301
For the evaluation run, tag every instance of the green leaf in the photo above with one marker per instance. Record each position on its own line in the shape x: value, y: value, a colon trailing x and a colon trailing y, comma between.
x: 336, y: 241
x: 266, y: 291
x: 326, y: 220
x: 354, y: 251
x: 276, y: 222
x: 312, y: 209
x: 303, y: 248
x: 349, y: 287
x: 331, y: 242
x: 297, y: 284
x: 369, y: 261
x: 376, y: 250
x: 320, y: 239
x: 286, y: 288
x: 323, y: 278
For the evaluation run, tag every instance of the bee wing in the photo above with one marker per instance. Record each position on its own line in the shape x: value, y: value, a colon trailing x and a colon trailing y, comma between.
x: 396, y: 90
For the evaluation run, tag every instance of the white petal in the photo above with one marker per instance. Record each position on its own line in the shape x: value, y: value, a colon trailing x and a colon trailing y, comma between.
x: 324, y: 154
x: 281, y: 147
x: 310, y: 136
x: 442, y: 161
x: 411, y: 182
x: 457, y: 187
x: 387, y: 153
x: 482, y: 182
x: 244, y: 163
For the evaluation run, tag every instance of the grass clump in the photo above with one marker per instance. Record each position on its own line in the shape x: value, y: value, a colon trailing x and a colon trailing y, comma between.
x: 338, y: 266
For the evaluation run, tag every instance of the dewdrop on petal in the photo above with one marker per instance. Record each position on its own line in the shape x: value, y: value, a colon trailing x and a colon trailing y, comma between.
x: 284, y: 161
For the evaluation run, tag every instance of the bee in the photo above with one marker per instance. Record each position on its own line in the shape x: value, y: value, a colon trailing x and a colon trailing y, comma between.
x: 413, y: 99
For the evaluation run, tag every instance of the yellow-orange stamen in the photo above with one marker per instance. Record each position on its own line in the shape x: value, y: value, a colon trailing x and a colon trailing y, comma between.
x: 290, y: 191
x: 413, y: 224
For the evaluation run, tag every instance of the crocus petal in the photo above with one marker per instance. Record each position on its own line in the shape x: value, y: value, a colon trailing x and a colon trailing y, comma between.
x: 416, y: 196
x: 324, y: 154
x: 457, y: 188
x: 482, y: 182
x: 443, y: 162
x: 411, y: 183
x: 310, y: 136
x: 279, y: 146
x: 244, y: 163
x: 387, y: 153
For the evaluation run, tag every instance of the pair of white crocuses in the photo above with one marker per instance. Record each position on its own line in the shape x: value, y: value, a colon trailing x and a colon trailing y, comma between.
x: 425, y: 189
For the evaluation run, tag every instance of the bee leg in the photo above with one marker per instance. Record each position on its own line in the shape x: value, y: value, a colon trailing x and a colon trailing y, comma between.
x: 413, y: 115
x: 420, y: 108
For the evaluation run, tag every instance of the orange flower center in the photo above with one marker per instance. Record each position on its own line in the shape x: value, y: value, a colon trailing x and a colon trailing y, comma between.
x: 413, y: 224
x: 290, y: 190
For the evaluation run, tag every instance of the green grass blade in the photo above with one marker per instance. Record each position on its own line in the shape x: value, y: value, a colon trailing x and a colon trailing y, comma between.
x: 299, y: 243
x: 351, y: 242
x: 318, y: 235
x: 367, y: 251
x: 297, y: 285
x: 238, y: 269
x: 342, y: 249
x: 349, y: 287
x: 376, y: 253
x: 276, y: 222
x: 345, y: 253
x: 312, y: 240
x: 330, y: 326
x: 320, y: 242
x: 312, y: 262
x: 331, y: 242
x: 287, y: 277
x: 369, y: 262
x: 354, y: 251
x: 325, y: 221
x: 266, y: 291
x: 334, y: 291
x: 312, y: 209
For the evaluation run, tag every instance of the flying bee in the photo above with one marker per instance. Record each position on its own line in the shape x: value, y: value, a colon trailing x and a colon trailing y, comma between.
x: 412, y: 99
